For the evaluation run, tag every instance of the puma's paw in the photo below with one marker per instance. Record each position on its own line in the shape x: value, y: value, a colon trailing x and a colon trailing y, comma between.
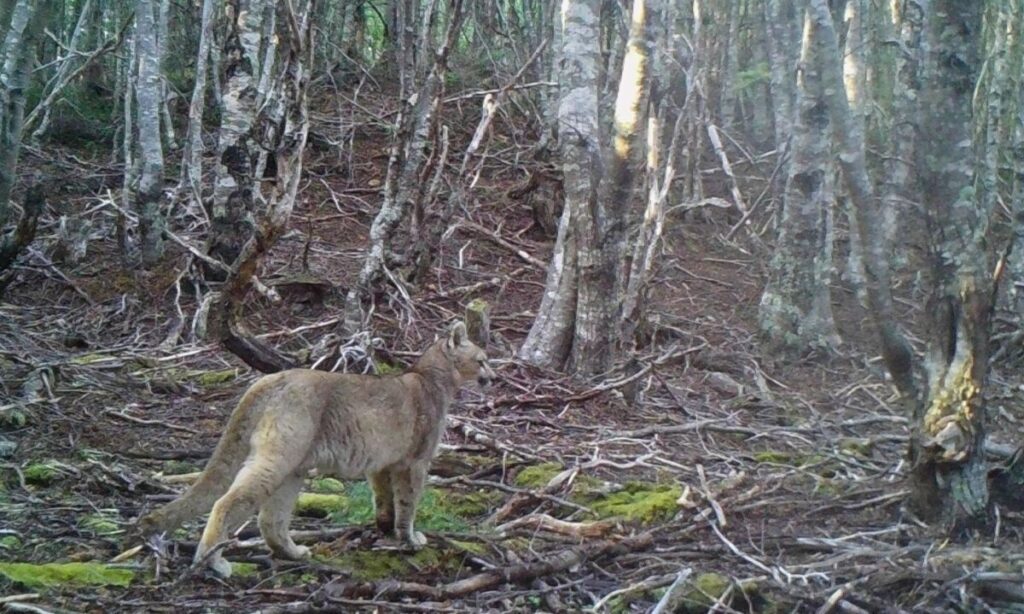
x: 416, y: 540
x: 220, y: 566
x: 297, y: 553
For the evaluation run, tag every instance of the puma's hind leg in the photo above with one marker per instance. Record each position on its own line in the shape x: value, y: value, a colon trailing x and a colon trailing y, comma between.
x: 273, y: 460
x: 383, y: 501
x: 407, y: 486
x: 276, y: 515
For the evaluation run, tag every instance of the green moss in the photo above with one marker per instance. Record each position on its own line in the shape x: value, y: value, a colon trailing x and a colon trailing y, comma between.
x: 13, y: 418
x: 705, y: 590
x: 470, y: 505
x: 101, y: 525
x: 319, y: 505
x: 40, y: 474
x: 775, y: 458
x: 327, y: 485
x: 438, y: 510
x: 385, y: 368
x: 639, y: 502
x: 537, y: 476
x: 214, y: 378
x: 469, y: 547
x: 244, y: 570
x: 10, y: 542
x: 369, y: 565
x: 66, y: 574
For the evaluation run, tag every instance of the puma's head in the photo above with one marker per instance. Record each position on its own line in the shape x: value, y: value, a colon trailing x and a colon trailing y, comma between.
x: 470, y: 361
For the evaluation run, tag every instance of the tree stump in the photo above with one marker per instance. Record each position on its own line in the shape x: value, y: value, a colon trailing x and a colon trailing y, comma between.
x: 478, y: 322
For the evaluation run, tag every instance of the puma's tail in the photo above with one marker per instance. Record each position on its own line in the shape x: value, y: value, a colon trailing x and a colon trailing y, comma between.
x: 220, y: 471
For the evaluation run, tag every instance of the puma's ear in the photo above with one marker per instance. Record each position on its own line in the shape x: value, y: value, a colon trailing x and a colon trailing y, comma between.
x: 458, y: 335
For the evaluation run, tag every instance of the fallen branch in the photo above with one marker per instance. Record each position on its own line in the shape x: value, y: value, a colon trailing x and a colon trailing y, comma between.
x: 544, y: 522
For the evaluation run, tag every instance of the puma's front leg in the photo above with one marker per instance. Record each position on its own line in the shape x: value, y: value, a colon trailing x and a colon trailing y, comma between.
x: 407, y: 485
x: 383, y: 501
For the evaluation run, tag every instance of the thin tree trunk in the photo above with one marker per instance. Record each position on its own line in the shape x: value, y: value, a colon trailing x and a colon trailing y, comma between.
x: 165, y: 100
x: 27, y: 19
x: 550, y: 340
x: 234, y: 199
x: 149, y: 194
x: 855, y: 85
x: 192, y: 156
x: 796, y: 309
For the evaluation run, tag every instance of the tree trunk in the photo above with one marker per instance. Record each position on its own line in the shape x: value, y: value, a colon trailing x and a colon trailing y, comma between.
x: 581, y: 330
x: 796, y: 309
x: 150, y: 161
x: 948, y: 469
x: 234, y: 190
x: 284, y: 134
x: 26, y: 22
x: 947, y: 476
x: 192, y: 156
x: 855, y: 86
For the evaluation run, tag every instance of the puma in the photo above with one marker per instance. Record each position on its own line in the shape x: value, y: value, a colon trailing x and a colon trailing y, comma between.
x: 386, y: 428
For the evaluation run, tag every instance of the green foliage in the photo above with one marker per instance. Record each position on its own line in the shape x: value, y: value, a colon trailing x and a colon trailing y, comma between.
x: 50, y: 575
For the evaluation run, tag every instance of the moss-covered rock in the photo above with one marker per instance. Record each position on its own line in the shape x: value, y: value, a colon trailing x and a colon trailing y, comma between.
x: 244, y: 570
x: 327, y: 485
x: 13, y: 418
x: 319, y: 505
x: 51, y: 575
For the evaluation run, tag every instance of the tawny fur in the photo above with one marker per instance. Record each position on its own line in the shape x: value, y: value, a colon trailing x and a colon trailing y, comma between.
x: 385, y: 428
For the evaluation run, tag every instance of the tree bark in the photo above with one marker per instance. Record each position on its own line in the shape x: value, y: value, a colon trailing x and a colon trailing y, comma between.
x: 26, y: 23
x: 580, y: 330
x: 796, y: 309
x: 947, y: 477
x: 284, y: 135
x: 192, y: 156
x: 235, y: 189
x: 150, y: 161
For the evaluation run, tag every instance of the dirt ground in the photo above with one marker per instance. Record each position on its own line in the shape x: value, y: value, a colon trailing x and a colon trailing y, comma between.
x: 702, y: 476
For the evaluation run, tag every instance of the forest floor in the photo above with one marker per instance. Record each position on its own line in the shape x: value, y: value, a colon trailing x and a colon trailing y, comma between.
x: 701, y: 472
